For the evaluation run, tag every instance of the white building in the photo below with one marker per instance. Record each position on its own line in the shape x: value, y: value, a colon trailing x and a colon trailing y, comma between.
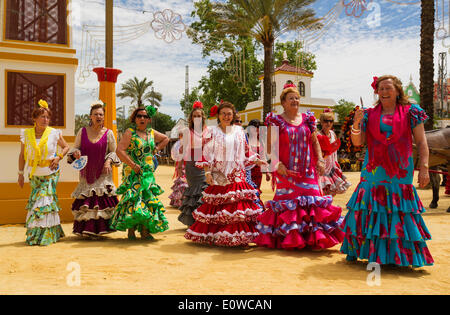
x: 37, y: 60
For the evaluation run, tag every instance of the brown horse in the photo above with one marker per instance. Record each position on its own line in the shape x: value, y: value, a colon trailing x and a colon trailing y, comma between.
x: 439, y: 146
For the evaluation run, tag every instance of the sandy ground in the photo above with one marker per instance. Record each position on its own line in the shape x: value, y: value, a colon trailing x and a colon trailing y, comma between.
x: 173, y: 265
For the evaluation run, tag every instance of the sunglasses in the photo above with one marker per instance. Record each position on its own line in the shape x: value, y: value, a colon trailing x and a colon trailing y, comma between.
x: 238, y: 121
x: 142, y: 116
x: 328, y: 121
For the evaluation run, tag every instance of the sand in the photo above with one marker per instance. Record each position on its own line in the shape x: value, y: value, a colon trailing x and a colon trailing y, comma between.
x: 173, y: 265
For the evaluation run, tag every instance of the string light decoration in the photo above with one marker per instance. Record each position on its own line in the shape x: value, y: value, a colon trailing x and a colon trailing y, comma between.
x: 355, y: 8
x: 166, y: 24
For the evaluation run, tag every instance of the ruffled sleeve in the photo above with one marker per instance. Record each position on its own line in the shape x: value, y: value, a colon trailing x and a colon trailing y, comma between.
x: 177, y: 153
x: 111, y: 150
x: 207, y: 158
x: 76, y: 146
x: 22, y: 136
x: 311, y: 121
x: 417, y: 115
x: 273, y: 120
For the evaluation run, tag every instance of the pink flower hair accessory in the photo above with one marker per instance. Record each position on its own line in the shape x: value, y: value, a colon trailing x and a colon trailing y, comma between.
x: 374, y: 83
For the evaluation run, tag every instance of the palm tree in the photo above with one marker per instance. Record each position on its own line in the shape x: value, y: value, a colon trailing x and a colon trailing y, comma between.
x: 427, y: 60
x: 138, y: 92
x: 265, y: 21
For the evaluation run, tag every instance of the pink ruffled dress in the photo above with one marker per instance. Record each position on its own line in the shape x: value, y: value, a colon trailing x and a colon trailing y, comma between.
x: 299, y: 215
x: 228, y: 214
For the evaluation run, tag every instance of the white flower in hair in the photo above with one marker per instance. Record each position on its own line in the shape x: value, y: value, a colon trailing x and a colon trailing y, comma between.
x: 98, y: 103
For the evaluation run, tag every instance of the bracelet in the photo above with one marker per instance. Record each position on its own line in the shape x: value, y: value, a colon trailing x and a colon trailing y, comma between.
x: 208, y: 172
x: 20, y: 172
x: 61, y: 156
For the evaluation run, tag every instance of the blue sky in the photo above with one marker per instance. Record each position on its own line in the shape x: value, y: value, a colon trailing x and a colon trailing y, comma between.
x: 384, y: 40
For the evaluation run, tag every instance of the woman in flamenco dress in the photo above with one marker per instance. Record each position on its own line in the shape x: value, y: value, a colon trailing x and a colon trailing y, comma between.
x: 179, y: 185
x: 228, y: 214
x: 300, y: 215
x: 384, y: 224
x: 140, y: 208
x: 95, y: 195
x: 333, y: 181
x: 189, y: 153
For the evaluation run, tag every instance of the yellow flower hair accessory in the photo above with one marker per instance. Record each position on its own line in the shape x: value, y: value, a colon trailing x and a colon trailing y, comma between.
x: 43, y: 103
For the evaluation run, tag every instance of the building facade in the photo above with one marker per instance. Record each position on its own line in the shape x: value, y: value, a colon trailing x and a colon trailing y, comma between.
x: 37, y: 61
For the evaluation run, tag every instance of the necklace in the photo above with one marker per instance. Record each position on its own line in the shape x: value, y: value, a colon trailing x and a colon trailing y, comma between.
x: 294, y: 121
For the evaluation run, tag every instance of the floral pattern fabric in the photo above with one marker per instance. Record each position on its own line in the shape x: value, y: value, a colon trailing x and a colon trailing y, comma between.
x: 140, y: 206
x: 42, y: 222
x: 384, y: 222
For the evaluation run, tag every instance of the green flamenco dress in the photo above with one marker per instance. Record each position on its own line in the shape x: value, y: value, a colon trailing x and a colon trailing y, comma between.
x: 139, y: 206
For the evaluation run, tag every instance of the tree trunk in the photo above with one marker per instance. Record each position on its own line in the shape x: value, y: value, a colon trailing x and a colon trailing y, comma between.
x: 427, y: 60
x: 267, y: 83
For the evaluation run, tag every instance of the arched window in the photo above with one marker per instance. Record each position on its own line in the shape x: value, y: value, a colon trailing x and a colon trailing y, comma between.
x: 301, y: 88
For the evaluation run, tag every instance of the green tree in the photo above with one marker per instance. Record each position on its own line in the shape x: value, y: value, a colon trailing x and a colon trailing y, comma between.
x: 292, y: 49
x: 81, y: 121
x: 141, y: 93
x: 262, y: 20
x: 194, y: 96
x: 162, y: 122
x: 342, y: 109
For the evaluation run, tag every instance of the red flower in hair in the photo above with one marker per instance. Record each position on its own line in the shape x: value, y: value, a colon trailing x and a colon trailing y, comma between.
x: 374, y: 83
x: 288, y: 85
x: 197, y: 104
x: 213, y: 111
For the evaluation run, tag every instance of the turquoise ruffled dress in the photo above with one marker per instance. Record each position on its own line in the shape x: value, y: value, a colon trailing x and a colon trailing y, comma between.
x: 384, y: 222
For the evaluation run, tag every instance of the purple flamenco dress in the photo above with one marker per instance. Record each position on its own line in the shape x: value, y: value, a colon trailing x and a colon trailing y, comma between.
x: 95, y: 195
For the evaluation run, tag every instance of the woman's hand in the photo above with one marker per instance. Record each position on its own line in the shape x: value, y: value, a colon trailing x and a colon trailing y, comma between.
x: 209, y: 178
x: 136, y: 168
x: 359, y: 115
x: 261, y: 162
x: 76, y: 154
x: 107, y: 169
x: 321, y: 167
x: 21, y: 180
x: 424, y: 177
x: 281, y: 169
x: 55, y: 163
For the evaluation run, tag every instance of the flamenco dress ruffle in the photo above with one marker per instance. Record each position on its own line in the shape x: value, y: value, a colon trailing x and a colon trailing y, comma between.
x: 384, y: 225
x: 93, y: 207
x: 42, y: 221
x: 139, y: 206
x: 178, y: 189
x: 299, y: 217
x: 384, y: 221
x: 227, y: 216
x: 334, y: 182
